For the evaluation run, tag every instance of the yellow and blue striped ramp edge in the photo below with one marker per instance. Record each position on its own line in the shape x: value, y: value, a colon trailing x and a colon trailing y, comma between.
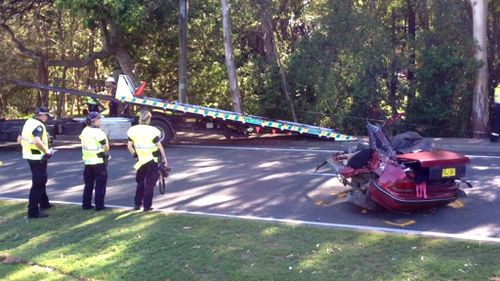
x: 240, y: 118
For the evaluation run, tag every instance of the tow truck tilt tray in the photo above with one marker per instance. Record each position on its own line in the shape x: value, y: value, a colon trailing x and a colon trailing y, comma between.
x: 126, y: 92
x: 163, y: 118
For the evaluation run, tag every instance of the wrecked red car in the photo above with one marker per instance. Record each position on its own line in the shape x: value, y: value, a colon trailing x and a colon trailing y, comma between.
x: 402, y: 174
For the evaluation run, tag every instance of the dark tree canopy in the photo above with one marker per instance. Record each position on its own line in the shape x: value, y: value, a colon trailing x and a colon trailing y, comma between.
x: 331, y: 63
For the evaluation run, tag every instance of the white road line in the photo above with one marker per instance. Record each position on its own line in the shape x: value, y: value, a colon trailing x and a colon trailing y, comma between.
x: 255, y: 148
x: 353, y: 227
x: 483, y: 156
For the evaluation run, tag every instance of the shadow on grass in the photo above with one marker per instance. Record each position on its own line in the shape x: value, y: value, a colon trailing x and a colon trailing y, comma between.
x: 126, y: 245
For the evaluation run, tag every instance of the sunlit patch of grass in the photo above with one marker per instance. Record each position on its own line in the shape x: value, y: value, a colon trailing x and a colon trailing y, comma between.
x: 270, y: 231
x: 24, y: 272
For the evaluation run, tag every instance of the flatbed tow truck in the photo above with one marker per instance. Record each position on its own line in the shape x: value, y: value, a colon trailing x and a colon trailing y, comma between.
x: 168, y: 116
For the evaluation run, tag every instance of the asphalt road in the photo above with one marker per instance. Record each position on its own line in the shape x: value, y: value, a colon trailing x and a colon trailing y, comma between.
x: 276, y: 181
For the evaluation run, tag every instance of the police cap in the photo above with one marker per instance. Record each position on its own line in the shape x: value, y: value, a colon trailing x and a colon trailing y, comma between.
x: 93, y: 115
x: 43, y: 110
x: 109, y: 80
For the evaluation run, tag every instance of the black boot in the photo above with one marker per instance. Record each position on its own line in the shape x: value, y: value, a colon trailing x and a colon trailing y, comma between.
x: 494, y: 137
x: 38, y: 216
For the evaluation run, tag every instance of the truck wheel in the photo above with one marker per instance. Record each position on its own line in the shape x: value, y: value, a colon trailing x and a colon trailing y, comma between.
x: 167, y: 133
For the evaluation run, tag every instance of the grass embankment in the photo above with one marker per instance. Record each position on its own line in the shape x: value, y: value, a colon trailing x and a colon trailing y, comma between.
x: 73, y: 244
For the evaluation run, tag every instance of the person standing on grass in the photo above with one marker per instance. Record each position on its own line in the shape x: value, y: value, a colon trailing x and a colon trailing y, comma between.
x: 144, y: 143
x: 34, y: 140
x: 95, y: 148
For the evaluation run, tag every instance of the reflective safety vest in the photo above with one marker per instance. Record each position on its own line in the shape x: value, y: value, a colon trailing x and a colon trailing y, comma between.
x: 91, y: 100
x: 30, y: 151
x: 92, y: 148
x: 497, y: 94
x: 142, y: 136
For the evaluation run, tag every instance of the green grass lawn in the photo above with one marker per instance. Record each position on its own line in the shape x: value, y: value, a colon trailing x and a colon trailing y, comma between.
x: 73, y: 244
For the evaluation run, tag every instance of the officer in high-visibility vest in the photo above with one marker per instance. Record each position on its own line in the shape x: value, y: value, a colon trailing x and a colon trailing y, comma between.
x: 110, y: 84
x: 495, y: 132
x: 92, y: 104
x: 34, y: 140
x: 144, y: 142
x: 95, y: 147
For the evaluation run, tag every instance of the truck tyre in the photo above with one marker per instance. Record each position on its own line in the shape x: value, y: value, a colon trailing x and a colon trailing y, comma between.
x: 166, y: 129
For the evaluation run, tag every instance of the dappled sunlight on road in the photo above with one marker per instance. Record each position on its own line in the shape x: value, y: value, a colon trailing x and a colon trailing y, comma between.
x: 484, y: 191
x: 486, y: 230
x: 195, y: 175
x: 496, y: 181
x: 203, y: 162
x: 218, y: 198
x: 484, y: 195
x: 16, y: 185
x: 278, y: 176
x: 197, y: 191
x: 485, y: 168
x: 269, y: 164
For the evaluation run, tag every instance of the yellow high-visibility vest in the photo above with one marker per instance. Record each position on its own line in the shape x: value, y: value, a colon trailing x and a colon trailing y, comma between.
x: 91, y: 100
x: 30, y: 151
x: 497, y: 94
x: 92, y: 149
x: 142, y: 136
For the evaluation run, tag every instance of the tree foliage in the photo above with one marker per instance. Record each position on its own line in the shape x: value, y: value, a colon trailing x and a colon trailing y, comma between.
x: 340, y: 61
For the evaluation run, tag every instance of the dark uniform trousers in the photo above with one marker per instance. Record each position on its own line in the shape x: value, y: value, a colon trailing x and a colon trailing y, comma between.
x: 113, y: 109
x: 496, y: 124
x: 146, y: 179
x: 38, y: 193
x: 94, y: 176
x: 92, y: 107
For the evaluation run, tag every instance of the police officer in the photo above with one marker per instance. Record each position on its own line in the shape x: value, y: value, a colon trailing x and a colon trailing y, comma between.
x: 95, y: 147
x: 34, y: 140
x: 110, y: 84
x: 495, y: 130
x: 144, y: 142
x: 92, y: 104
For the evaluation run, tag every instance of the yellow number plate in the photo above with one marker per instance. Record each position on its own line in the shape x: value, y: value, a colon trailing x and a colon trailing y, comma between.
x: 449, y: 172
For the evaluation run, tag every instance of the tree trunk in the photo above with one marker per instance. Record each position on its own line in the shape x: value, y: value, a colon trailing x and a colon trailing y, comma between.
x: 392, y: 79
x: 92, y: 66
x: 228, y: 48
x: 411, y: 48
x: 423, y: 14
x: 183, y: 29
x: 284, y: 84
x: 2, y: 106
x: 43, y: 78
x: 62, y: 96
x: 494, y: 43
x: 73, y: 104
x: 480, y: 114
x: 116, y: 43
x: 272, y: 56
x: 126, y: 64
